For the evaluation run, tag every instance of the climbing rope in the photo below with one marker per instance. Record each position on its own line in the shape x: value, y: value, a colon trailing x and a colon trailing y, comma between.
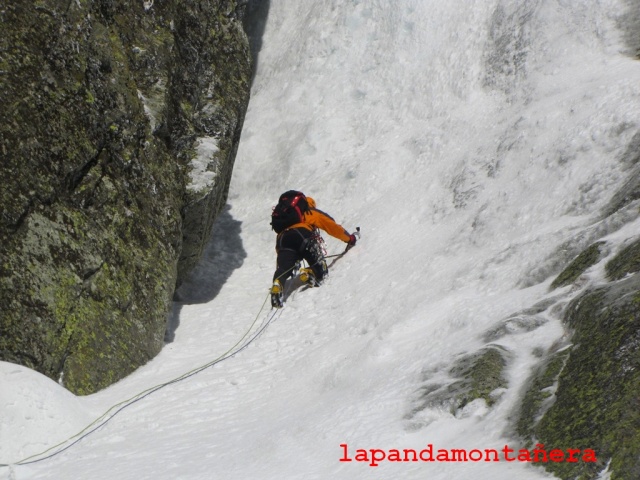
x: 244, y: 341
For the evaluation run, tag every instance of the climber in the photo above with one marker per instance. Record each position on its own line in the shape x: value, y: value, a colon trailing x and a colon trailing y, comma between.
x: 296, y: 220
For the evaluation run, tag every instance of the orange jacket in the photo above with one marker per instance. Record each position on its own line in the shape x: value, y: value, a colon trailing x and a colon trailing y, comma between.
x: 318, y: 219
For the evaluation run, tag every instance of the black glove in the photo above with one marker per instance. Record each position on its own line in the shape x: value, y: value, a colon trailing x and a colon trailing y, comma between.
x: 352, y: 239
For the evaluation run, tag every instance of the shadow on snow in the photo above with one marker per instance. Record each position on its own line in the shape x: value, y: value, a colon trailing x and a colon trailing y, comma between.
x: 223, y: 254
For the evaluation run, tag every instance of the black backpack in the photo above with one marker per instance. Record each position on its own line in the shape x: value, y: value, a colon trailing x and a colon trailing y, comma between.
x: 291, y: 207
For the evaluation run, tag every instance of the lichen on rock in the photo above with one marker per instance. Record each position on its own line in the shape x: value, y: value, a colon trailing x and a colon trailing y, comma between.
x: 477, y: 376
x: 104, y: 103
x: 539, y: 394
x: 626, y: 262
x: 587, y: 258
x: 595, y: 402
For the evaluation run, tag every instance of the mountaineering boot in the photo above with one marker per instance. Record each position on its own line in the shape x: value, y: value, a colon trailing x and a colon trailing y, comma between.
x: 276, y: 294
x: 307, y: 276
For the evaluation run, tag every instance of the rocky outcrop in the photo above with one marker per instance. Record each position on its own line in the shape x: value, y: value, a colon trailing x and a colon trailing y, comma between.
x: 118, y: 132
x: 586, y: 395
x: 583, y: 394
x: 476, y: 376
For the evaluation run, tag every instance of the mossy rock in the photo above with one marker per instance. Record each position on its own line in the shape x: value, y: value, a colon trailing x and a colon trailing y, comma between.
x: 481, y: 374
x: 589, y: 257
x: 626, y: 262
x: 477, y: 376
x: 539, y: 394
x: 597, y: 402
x: 97, y: 221
x: 627, y: 194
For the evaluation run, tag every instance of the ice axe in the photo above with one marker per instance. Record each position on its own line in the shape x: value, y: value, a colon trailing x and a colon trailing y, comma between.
x: 355, y: 234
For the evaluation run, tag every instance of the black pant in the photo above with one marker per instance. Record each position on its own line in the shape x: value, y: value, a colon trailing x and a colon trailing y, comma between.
x: 297, y: 244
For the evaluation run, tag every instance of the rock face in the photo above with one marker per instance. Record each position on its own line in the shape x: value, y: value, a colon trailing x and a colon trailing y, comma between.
x: 587, y: 395
x: 476, y: 376
x: 118, y: 130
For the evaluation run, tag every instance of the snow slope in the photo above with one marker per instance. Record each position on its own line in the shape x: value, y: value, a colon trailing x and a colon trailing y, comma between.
x: 475, y: 144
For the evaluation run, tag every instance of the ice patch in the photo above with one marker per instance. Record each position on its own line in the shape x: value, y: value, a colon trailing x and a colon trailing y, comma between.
x: 204, y: 166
